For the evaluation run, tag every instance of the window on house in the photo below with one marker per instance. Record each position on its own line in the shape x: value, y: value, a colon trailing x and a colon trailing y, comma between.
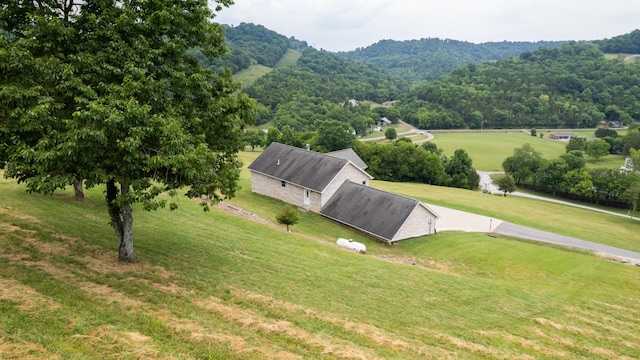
x: 283, y: 183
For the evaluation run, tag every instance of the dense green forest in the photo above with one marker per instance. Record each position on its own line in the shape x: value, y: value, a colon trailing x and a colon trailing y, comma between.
x: 429, y: 59
x: 250, y: 44
x: 567, y: 87
x: 553, y: 86
x: 623, y: 44
x: 319, y: 87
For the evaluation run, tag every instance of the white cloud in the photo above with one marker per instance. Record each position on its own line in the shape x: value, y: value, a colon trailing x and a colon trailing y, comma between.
x: 345, y: 25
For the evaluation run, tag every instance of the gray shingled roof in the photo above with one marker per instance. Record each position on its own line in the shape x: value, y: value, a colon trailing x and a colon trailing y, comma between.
x: 350, y: 155
x: 377, y: 212
x: 308, y: 169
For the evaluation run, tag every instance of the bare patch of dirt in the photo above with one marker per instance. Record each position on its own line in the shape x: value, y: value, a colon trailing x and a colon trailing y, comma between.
x: 376, y: 335
x: 24, y: 350
x: 547, y: 322
x: 554, y: 338
x: 471, y: 346
x: 255, y: 321
x: 28, y: 298
x: 228, y: 208
x: 120, y: 344
x: 104, y: 262
x: 6, y: 228
x: 197, y: 332
x: 108, y: 294
x: 435, y: 265
x: 234, y: 210
x: 137, y: 337
x: 525, y: 343
x: 46, y: 247
x: 16, y: 215
x: 618, y: 259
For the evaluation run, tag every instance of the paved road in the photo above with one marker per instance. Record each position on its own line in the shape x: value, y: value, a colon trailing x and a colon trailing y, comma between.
x: 486, y: 184
x: 455, y: 220
x: 523, y: 232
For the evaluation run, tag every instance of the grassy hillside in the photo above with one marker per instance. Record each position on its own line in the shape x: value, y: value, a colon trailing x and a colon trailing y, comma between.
x: 290, y: 58
x: 248, y: 76
x: 218, y: 285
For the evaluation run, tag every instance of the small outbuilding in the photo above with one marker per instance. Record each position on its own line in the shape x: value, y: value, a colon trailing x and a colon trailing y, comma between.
x: 383, y: 215
x: 384, y: 122
x: 561, y: 136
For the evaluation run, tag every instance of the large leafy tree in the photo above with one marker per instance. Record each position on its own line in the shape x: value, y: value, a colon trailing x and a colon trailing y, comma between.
x: 105, y: 91
x: 524, y: 162
x: 597, y: 148
x: 335, y: 135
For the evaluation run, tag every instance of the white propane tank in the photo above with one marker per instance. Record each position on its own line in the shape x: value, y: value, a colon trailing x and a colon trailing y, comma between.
x: 352, y: 245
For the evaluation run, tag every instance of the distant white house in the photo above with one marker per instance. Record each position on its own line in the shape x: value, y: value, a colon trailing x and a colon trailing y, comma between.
x: 628, y: 166
x: 384, y: 122
x: 561, y: 136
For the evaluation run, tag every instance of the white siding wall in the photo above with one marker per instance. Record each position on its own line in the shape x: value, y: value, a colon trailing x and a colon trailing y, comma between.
x: 290, y: 193
x: 417, y: 224
x: 349, y: 172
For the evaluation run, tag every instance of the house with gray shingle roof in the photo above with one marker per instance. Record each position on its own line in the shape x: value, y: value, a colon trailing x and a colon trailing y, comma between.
x: 350, y: 155
x: 381, y: 214
x: 300, y: 177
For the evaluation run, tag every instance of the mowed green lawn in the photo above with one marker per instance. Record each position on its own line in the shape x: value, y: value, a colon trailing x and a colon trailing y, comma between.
x: 489, y: 149
x: 225, y: 286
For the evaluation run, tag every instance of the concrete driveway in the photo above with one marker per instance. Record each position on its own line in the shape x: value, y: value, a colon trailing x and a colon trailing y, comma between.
x: 456, y: 220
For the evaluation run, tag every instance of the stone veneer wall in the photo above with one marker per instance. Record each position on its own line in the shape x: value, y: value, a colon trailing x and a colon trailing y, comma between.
x: 290, y: 193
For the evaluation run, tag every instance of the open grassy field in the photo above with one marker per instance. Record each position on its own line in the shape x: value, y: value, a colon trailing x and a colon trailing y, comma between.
x: 489, y: 149
x: 230, y: 284
x: 248, y: 76
x: 290, y: 58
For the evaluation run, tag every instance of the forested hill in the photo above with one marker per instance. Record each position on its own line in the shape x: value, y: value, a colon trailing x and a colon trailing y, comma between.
x: 318, y: 86
x: 567, y: 87
x: 429, y: 59
x: 251, y: 44
x: 626, y: 44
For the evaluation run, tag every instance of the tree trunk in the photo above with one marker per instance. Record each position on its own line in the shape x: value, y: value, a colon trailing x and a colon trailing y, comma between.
x: 77, y: 188
x: 125, y: 251
x: 122, y: 221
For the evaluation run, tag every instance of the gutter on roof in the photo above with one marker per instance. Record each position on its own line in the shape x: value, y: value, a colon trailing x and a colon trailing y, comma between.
x: 287, y: 181
x: 388, y: 241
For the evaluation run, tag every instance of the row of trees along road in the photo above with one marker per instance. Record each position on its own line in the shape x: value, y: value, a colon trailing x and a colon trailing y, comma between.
x: 568, y: 177
x: 105, y: 92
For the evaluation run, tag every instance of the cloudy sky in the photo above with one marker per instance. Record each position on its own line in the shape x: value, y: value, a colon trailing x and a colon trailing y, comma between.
x: 348, y: 24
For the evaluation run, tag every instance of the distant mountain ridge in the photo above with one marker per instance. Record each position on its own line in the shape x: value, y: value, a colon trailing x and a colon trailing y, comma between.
x: 431, y: 58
